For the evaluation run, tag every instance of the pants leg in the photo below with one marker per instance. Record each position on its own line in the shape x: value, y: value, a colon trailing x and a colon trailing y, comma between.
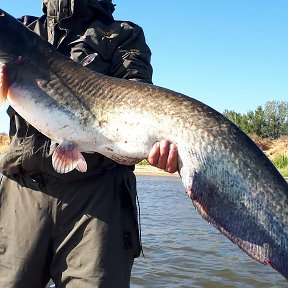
x: 25, y: 222
x: 82, y: 233
x: 96, y: 235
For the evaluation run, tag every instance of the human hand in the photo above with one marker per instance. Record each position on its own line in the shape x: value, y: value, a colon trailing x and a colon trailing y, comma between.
x: 164, y: 155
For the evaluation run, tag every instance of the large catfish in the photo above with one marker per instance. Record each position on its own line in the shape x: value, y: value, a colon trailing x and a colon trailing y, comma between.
x: 229, y: 180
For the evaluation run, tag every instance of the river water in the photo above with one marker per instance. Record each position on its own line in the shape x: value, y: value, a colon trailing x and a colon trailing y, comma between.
x: 183, y: 250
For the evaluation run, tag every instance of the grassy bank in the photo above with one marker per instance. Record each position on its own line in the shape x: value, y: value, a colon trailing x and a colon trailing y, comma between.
x: 277, y: 151
x: 281, y: 163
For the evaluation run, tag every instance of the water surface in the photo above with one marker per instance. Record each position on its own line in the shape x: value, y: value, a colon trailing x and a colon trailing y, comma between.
x: 183, y: 250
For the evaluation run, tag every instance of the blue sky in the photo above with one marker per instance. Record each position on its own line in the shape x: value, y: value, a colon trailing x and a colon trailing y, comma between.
x: 228, y: 54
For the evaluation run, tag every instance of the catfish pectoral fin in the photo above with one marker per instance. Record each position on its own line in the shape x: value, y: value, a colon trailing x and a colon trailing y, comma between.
x: 67, y: 157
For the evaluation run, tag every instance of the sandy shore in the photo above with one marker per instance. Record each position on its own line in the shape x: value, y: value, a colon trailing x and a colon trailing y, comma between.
x: 150, y: 170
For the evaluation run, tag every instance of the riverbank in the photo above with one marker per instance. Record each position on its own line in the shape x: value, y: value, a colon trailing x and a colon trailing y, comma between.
x: 276, y: 150
x: 139, y: 169
x: 150, y: 170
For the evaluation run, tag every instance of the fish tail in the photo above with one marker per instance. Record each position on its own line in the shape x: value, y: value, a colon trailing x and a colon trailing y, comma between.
x: 235, y: 221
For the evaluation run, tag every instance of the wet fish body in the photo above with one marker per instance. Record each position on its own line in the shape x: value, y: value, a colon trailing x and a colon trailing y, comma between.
x: 229, y: 180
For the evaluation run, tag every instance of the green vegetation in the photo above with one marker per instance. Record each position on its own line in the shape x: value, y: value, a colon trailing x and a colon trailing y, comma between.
x: 270, y: 121
x: 143, y: 163
x: 281, y: 163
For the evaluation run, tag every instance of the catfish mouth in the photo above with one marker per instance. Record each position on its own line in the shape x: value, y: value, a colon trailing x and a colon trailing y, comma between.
x: 3, y: 83
x: 8, y: 72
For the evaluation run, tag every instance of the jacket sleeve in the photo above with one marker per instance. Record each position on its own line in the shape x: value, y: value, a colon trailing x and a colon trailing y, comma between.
x: 132, y: 57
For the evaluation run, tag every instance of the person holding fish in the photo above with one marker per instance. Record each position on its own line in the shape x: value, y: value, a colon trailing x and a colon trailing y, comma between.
x: 80, y: 229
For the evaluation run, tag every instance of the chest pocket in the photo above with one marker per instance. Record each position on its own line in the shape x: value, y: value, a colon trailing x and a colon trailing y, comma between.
x: 81, y: 48
x: 95, y: 40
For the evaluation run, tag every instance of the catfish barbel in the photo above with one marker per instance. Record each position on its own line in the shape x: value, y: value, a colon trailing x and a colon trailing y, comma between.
x: 229, y: 179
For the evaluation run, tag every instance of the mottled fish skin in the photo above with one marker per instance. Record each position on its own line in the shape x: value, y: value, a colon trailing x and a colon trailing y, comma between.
x: 230, y: 181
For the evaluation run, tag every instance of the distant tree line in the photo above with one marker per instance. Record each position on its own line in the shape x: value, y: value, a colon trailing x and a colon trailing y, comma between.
x: 270, y: 121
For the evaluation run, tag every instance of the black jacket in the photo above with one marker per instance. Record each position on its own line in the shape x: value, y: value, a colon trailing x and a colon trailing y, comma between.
x: 121, y: 52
